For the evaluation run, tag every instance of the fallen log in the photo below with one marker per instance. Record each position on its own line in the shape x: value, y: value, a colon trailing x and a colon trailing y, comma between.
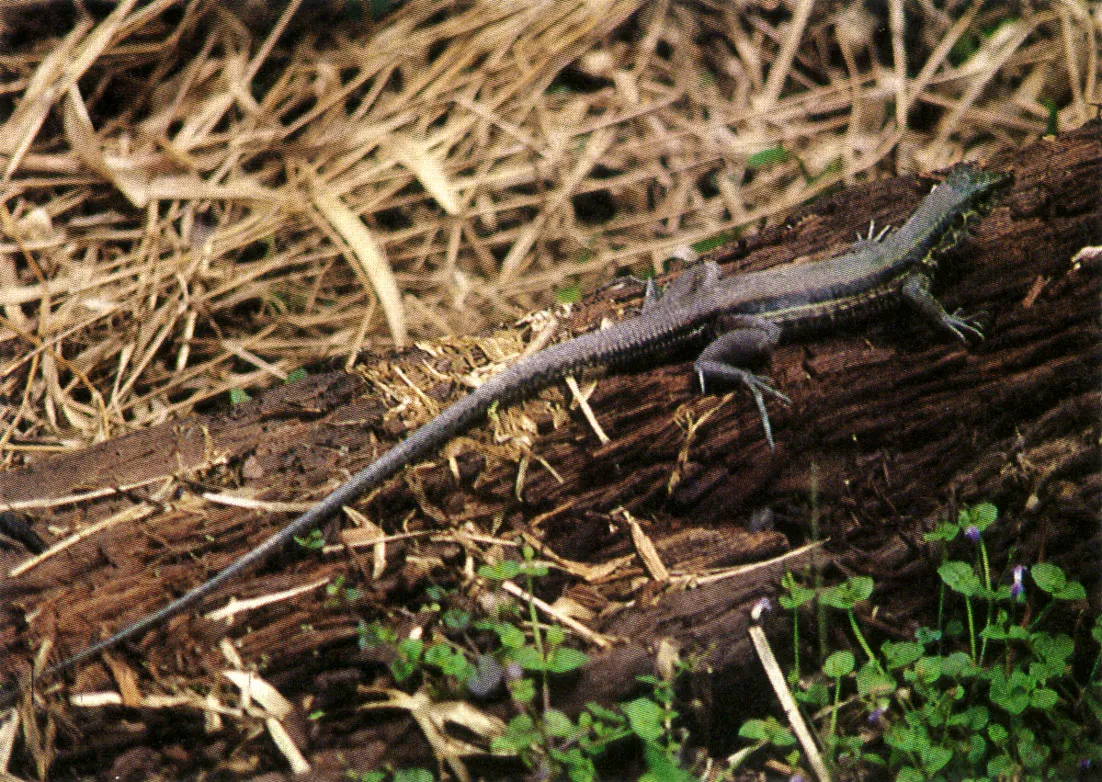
x: 891, y: 428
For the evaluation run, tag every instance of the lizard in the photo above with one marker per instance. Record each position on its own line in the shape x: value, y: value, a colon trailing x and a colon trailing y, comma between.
x: 738, y: 318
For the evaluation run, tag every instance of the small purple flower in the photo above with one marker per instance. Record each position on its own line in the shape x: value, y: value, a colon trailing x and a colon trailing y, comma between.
x: 1017, y: 587
x: 488, y: 676
x: 876, y: 714
x: 762, y: 606
x: 796, y: 778
x: 972, y: 532
x: 513, y: 671
x: 1085, y: 764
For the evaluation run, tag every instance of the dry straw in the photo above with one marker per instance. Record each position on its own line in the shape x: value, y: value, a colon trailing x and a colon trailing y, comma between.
x: 194, y: 202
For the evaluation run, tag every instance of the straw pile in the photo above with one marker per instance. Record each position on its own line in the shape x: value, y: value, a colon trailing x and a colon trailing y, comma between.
x: 197, y: 201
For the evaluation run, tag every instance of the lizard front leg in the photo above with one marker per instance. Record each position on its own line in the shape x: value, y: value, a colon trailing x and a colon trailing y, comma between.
x: 916, y: 292
x: 745, y: 338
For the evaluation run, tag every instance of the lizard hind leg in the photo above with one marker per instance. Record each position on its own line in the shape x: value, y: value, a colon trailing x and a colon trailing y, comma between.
x: 691, y: 283
x: 748, y: 338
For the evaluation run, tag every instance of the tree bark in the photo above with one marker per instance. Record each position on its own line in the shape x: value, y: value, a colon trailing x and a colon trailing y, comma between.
x: 891, y: 428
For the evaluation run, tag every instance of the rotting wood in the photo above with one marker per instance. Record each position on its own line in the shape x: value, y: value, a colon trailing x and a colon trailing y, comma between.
x: 900, y: 425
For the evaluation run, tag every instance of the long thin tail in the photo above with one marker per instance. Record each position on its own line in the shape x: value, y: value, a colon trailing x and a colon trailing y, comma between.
x: 626, y: 340
x: 418, y: 445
